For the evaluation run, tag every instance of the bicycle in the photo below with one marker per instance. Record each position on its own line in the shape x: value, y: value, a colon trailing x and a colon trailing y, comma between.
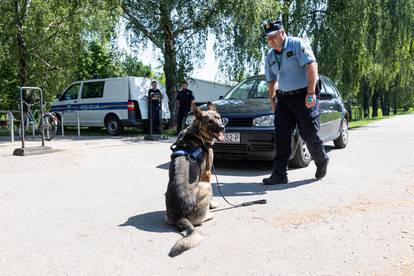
x: 50, y: 122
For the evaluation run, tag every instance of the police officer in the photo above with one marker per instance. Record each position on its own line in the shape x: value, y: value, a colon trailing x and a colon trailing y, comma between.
x: 185, y: 99
x: 292, y: 74
x: 155, y: 97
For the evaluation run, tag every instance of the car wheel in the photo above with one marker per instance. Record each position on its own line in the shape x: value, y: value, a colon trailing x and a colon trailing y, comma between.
x: 342, y: 140
x: 113, y: 125
x: 302, y: 155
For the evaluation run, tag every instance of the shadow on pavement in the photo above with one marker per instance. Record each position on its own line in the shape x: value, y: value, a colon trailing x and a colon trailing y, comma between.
x: 225, y: 167
x: 236, y: 167
x: 150, y: 222
x: 255, y: 188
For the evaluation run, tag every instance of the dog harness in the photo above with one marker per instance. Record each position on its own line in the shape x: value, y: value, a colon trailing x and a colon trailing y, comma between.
x: 192, y: 154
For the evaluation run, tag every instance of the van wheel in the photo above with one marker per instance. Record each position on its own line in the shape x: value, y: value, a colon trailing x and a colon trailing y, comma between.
x: 113, y: 125
x: 342, y: 140
x: 302, y: 156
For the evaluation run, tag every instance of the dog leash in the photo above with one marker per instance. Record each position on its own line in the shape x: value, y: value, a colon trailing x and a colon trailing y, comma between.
x: 247, y: 203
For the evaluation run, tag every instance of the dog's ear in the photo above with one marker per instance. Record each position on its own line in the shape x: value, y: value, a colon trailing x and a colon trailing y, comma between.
x: 211, y: 106
x: 197, y: 112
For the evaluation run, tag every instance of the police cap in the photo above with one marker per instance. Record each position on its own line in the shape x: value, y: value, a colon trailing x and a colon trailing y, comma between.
x: 272, y: 27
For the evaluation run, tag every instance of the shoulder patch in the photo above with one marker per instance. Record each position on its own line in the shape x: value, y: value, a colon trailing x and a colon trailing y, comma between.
x: 307, y: 50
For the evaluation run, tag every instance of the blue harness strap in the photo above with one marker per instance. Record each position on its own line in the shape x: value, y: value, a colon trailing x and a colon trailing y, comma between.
x: 194, y: 154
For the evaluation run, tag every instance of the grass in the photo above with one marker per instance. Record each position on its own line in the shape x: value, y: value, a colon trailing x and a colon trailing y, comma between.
x: 363, y: 122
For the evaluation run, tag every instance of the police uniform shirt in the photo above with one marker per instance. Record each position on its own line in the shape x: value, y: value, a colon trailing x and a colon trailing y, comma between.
x: 185, y: 97
x: 288, y: 67
x: 154, y: 94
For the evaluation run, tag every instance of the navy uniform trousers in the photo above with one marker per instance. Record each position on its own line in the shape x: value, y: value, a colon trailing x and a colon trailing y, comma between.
x: 155, y: 112
x: 291, y: 110
x: 182, y: 113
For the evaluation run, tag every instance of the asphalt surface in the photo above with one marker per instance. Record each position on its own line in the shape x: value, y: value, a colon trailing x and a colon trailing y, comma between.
x: 96, y: 206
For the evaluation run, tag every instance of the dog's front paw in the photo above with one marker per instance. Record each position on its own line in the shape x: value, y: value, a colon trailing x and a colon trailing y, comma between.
x: 214, y: 205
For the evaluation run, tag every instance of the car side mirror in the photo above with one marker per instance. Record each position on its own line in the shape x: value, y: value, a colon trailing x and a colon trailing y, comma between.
x: 221, y: 97
x: 325, y: 97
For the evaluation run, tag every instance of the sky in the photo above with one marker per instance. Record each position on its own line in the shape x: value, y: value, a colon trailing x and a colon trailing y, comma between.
x: 207, y: 71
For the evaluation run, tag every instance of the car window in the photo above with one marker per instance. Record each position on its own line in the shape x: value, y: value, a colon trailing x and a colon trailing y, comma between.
x: 71, y: 93
x: 242, y: 91
x: 93, y: 90
x: 338, y: 95
x: 262, y: 91
x: 328, y: 88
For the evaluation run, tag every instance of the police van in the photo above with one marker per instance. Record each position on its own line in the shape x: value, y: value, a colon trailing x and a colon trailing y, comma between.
x: 112, y: 103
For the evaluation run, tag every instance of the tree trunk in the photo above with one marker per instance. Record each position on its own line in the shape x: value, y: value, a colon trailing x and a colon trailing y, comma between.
x: 365, y: 97
x: 386, y: 104
x: 395, y: 105
x: 170, y: 61
x: 375, y: 97
x: 170, y: 70
x: 20, y: 16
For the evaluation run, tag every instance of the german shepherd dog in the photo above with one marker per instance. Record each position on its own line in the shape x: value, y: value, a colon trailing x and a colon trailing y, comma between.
x: 189, y: 193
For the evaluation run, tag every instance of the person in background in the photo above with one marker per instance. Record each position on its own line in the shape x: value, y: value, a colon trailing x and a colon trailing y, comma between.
x: 185, y: 99
x: 154, y: 101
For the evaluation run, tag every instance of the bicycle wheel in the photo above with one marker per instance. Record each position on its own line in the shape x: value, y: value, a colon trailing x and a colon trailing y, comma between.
x: 50, y: 127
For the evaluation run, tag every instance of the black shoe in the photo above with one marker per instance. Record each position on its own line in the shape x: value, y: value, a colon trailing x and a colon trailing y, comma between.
x: 272, y: 180
x: 322, y: 170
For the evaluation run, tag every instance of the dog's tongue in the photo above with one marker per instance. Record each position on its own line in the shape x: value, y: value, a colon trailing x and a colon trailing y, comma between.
x: 220, y: 137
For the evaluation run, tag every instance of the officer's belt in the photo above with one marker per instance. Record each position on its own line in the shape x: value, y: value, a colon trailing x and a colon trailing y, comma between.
x: 293, y: 92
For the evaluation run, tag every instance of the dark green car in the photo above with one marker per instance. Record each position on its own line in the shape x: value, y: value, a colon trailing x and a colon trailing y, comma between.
x: 249, y: 122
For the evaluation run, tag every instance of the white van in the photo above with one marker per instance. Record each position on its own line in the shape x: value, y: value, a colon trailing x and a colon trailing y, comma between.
x: 112, y: 103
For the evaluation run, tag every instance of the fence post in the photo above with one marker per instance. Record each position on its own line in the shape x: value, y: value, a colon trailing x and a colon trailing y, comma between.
x: 42, y: 123
x: 11, y: 125
x: 21, y: 115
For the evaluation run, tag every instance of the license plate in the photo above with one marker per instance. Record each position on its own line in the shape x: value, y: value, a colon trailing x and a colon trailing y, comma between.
x: 231, y: 138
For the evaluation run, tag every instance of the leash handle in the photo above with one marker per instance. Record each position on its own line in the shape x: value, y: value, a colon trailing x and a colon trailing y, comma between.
x: 260, y: 201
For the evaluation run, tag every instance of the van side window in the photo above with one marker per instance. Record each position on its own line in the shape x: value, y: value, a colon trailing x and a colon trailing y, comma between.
x: 71, y: 93
x: 93, y: 90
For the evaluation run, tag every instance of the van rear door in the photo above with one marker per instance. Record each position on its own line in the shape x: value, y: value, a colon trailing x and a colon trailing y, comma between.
x: 139, y: 92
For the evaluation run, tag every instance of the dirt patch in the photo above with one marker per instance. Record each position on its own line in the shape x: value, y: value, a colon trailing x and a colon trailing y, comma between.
x: 401, y: 269
x: 326, y: 214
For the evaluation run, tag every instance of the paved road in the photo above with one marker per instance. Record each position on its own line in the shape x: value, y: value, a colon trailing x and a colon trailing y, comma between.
x: 96, y: 208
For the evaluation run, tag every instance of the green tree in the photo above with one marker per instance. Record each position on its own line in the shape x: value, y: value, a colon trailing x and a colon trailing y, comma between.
x: 179, y: 29
x: 133, y: 67
x: 98, y: 60
x: 40, y: 41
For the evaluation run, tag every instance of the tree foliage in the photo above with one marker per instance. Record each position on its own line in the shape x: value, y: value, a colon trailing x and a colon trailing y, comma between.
x: 40, y: 41
x: 366, y: 47
x: 179, y: 29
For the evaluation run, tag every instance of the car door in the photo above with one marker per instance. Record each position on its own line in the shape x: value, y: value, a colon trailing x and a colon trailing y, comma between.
x: 68, y: 104
x: 338, y: 109
x: 91, y: 108
x: 330, y: 113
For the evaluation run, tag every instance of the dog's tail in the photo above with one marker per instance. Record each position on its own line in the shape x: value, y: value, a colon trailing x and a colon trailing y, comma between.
x: 191, y: 238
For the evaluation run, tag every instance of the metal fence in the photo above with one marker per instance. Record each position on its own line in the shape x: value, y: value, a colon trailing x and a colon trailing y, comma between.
x: 10, y: 121
x: 62, y: 123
